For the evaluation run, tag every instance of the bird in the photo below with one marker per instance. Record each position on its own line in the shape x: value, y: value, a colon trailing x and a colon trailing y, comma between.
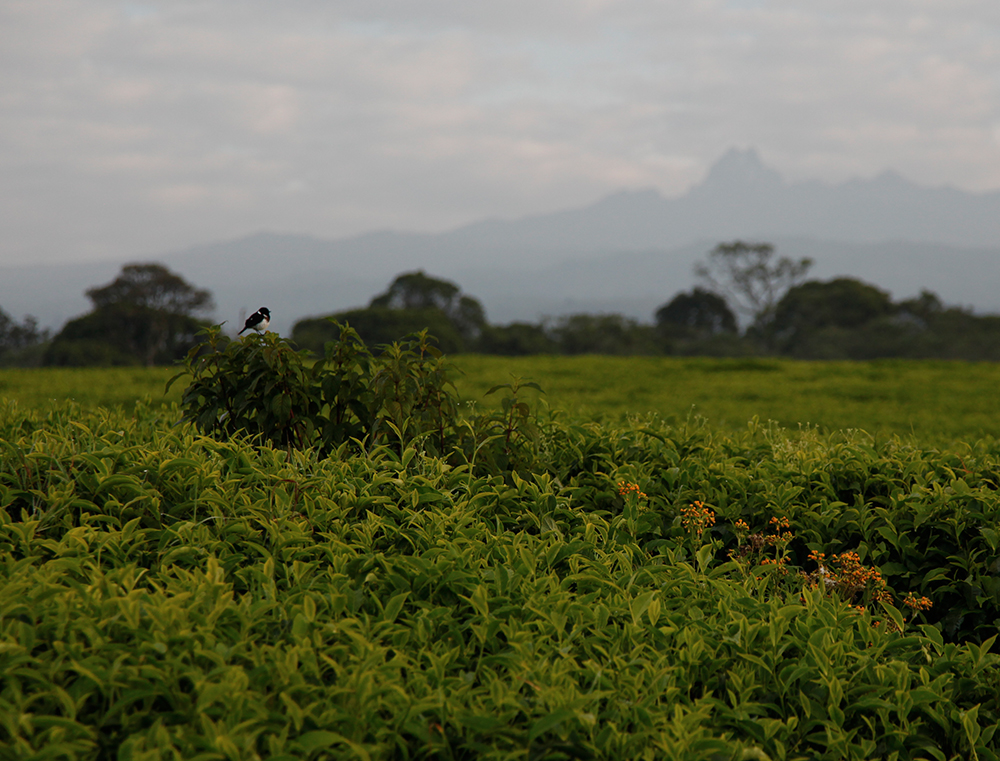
x: 258, y: 321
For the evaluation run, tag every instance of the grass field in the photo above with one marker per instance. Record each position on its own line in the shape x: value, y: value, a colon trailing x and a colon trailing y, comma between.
x: 931, y: 400
x: 938, y: 399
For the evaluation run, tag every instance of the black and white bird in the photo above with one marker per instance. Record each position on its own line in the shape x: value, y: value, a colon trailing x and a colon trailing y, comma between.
x: 258, y: 321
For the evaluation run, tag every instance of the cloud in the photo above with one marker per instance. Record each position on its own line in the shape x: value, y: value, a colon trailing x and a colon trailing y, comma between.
x: 145, y: 126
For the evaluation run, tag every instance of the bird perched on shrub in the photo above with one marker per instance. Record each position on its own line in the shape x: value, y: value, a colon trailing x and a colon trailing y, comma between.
x: 258, y: 321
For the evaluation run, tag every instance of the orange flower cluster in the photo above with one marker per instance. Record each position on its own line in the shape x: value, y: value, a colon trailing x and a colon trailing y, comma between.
x: 695, y: 518
x: 846, y: 575
x: 626, y: 487
x: 781, y: 563
x: 782, y: 531
x: 751, y: 544
x: 917, y: 603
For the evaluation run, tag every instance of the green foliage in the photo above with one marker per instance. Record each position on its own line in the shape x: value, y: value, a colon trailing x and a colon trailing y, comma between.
x: 841, y: 302
x: 811, y: 317
x: 603, y: 334
x: 38, y: 388
x: 516, y: 339
x: 260, y: 386
x: 144, y: 316
x: 505, y: 441
x: 379, y: 325
x: 121, y: 335
x: 928, y: 328
x: 152, y: 286
x: 415, y: 291
x: 698, y: 314
x: 847, y: 318
x: 20, y: 343
x: 935, y: 402
x: 413, y: 302
x: 165, y: 594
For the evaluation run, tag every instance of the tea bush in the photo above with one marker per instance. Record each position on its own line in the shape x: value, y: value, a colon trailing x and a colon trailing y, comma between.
x: 260, y: 385
x: 633, y: 590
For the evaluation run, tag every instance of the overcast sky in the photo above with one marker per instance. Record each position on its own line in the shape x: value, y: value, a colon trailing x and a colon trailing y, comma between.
x: 129, y: 129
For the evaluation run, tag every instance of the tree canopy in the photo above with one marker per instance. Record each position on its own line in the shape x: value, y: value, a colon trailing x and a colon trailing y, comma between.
x: 20, y: 342
x: 151, y: 286
x: 749, y: 277
x: 697, y: 313
x: 144, y: 316
x: 416, y: 291
x: 412, y: 302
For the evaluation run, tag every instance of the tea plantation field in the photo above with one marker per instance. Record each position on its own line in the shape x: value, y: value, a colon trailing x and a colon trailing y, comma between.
x: 933, y: 400
x: 709, y: 581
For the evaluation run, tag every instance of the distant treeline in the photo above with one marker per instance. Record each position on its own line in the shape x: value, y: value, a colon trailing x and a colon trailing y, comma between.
x: 148, y: 315
x: 842, y: 318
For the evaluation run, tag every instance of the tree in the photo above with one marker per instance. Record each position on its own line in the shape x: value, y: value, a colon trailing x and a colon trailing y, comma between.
x: 699, y: 313
x: 920, y: 311
x: 378, y: 326
x: 745, y: 274
x: 516, y: 339
x: 415, y: 290
x: 19, y: 342
x: 932, y: 329
x: 830, y: 319
x: 151, y: 286
x: 412, y: 302
x: 144, y: 316
x: 842, y: 303
x: 602, y: 334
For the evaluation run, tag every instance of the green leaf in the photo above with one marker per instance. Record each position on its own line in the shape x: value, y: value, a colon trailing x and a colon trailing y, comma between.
x: 934, y: 575
x: 932, y: 633
x: 480, y: 723
x: 394, y: 606
x: 309, y: 608
x: 704, y: 556
x: 894, y: 614
x: 991, y: 536
x: 321, y: 738
x: 970, y: 723
x: 479, y: 601
x: 543, y: 725
x: 639, y: 605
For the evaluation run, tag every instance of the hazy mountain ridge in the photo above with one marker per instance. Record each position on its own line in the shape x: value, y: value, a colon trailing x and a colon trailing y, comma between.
x: 628, y: 252
x: 742, y: 197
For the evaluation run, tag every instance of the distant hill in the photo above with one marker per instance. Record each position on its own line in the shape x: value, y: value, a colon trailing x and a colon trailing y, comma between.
x: 741, y: 197
x: 629, y: 252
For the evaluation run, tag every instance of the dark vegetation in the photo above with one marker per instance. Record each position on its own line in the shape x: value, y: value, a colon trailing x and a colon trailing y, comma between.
x: 335, y: 560
x: 749, y: 303
x: 783, y: 315
x: 145, y: 316
x: 21, y: 344
x: 349, y: 400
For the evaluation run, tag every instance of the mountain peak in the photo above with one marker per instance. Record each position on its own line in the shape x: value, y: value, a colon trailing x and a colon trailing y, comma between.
x: 739, y: 169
